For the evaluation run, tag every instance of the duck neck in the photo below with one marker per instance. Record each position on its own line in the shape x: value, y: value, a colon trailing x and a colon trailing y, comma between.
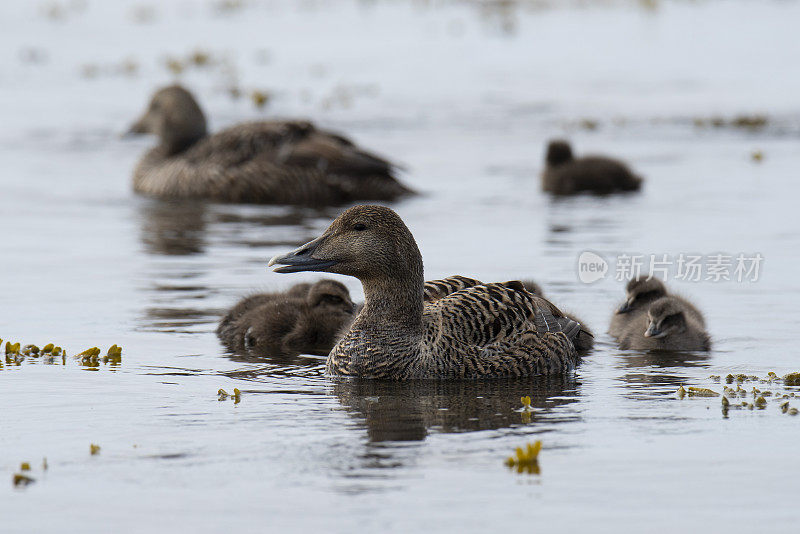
x: 175, y: 144
x: 393, y: 303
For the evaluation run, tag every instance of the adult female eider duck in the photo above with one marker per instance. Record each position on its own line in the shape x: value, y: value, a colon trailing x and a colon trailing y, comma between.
x: 667, y: 325
x: 269, y: 162
x: 456, y: 328
x: 566, y: 175
x: 306, y: 319
x: 642, y: 291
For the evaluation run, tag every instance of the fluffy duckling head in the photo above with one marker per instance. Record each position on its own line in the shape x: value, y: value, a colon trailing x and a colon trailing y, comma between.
x: 174, y: 116
x: 666, y: 318
x: 330, y: 295
x: 558, y: 152
x: 370, y: 243
x: 641, y: 291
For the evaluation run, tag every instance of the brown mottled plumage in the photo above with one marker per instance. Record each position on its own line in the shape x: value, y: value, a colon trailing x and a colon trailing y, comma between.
x: 456, y: 328
x: 269, y: 162
x: 584, y: 341
x: 667, y: 325
x: 640, y: 293
x: 566, y: 175
x: 306, y: 319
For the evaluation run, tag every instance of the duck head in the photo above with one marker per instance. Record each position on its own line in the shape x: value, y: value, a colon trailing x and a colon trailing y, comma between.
x: 640, y: 291
x: 370, y: 243
x: 330, y: 296
x: 175, y: 117
x: 666, y: 318
x: 558, y: 152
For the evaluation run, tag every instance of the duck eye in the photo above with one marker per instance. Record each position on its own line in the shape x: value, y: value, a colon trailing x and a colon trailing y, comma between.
x: 359, y: 227
x: 333, y: 299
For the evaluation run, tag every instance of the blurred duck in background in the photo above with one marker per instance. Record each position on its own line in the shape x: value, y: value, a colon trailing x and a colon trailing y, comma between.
x: 267, y: 162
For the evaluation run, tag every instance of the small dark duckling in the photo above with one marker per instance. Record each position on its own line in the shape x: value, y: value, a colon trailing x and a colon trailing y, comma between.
x: 584, y: 341
x: 640, y: 293
x: 306, y: 319
x: 297, y: 291
x: 456, y: 328
x: 267, y: 162
x: 667, y: 325
x: 565, y: 175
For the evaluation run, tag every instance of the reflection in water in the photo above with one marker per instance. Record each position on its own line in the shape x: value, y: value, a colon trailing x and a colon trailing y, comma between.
x: 172, y: 227
x: 181, y: 232
x: 658, y: 368
x: 407, y: 411
x: 182, y: 228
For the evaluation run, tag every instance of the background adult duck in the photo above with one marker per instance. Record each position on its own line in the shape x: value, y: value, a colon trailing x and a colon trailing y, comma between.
x: 456, y: 328
x: 267, y: 162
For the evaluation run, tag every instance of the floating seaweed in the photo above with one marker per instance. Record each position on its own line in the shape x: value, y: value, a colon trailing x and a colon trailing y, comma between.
x: 526, y: 460
x: 792, y: 379
x: 21, y: 480
x: 236, y: 396
x: 701, y: 392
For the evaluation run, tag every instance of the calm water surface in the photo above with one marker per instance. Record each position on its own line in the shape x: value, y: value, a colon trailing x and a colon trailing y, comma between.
x: 465, y: 97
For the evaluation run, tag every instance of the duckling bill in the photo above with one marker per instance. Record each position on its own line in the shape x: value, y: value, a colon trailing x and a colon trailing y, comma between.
x: 268, y: 162
x: 456, y: 328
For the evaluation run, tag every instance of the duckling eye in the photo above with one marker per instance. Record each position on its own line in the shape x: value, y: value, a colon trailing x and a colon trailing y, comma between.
x: 333, y: 299
x: 359, y: 227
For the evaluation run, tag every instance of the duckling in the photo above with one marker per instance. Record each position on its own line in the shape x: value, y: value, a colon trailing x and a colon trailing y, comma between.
x: 269, y: 162
x: 455, y: 328
x: 226, y: 325
x: 640, y: 293
x: 306, y: 319
x: 584, y: 341
x: 565, y: 175
x: 667, y: 325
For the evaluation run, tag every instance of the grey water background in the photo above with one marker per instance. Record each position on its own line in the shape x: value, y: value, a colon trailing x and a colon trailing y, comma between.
x: 465, y: 95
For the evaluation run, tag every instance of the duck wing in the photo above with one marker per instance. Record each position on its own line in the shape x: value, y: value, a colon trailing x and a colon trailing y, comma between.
x: 498, y: 330
x: 335, y: 154
x: 243, y: 143
x: 436, y: 289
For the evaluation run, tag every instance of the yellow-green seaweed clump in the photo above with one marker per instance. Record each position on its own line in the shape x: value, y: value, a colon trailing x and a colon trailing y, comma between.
x: 702, y: 392
x: 792, y: 379
x: 526, y: 459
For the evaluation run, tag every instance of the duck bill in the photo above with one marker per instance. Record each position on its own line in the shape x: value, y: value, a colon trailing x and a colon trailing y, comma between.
x: 626, y: 306
x: 653, y: 331
x: 301, y: 259
x: 137, y: 128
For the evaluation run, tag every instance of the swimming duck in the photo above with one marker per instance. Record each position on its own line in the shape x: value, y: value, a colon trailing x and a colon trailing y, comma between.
x: 640, y: 293
x: 269, y: 162
x: 584, y: 341
x: 456, y: 328
x: 306, y: 319
x: 565, y: 175
x: 667, y: 325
